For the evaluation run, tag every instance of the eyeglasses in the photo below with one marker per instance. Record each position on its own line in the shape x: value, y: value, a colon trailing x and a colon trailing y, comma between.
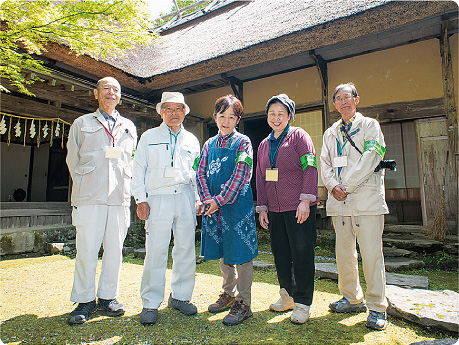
x: 346, y: 98
x: 171, y: 110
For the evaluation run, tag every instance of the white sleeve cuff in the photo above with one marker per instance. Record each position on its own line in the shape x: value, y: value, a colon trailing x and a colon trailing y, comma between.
x: 258, y: 209
x: 309, y: 197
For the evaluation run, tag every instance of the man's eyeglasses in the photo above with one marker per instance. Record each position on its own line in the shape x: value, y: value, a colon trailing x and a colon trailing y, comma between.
x: 170, y: 110
x: 345, y: 98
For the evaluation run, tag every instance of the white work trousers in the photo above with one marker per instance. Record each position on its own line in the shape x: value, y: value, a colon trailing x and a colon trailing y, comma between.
x: 96, y: 225
x: 176, y: 212
x: 368, y: 232
x: 238, y: 278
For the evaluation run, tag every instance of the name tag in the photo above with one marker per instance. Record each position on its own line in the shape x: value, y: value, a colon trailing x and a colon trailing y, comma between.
x: 113, y: 152
x: 272, y: 175
x: 171, y: 172
x: 339, y: 162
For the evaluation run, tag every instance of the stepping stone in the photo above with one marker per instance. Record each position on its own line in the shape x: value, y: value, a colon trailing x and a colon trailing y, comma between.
x: 405, y: 229
x: 140, y: 253
x: 128, y: 250
x: 436, y: 309
x: 452, y: 248
x: 415, y: 244
x: 330, y: 271
x: 54, y: 248
x: 326, y: 270
x: 397, y: 264
x: 407, y: 280
x: 261, y: 265
x: 395, y: 252
x: 447, y: 341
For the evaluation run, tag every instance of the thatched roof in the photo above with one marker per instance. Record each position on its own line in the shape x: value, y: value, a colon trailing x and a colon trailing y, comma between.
x: 240, y: 25
x: 250, y: 35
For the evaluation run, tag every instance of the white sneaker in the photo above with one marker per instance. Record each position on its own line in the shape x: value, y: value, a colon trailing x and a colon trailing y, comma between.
x: 284, y: 303
x: 300, y: 313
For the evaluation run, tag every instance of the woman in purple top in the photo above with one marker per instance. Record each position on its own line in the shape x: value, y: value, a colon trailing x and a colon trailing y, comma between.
x: 287, y: 197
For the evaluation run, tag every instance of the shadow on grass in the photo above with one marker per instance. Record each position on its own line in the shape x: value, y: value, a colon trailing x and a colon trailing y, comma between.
x: 173, y: 327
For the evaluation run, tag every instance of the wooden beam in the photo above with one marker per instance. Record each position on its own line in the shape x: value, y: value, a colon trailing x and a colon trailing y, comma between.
x: 322, y: 68
x: 237, y: 86
x: 451, y: 117
x: 400, y: 111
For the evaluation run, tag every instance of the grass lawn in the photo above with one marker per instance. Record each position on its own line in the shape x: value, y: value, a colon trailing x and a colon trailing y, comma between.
x: 35, y: 303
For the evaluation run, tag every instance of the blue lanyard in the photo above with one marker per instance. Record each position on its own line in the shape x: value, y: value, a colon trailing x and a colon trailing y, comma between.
x: 274, y: 150
x: 172, y: 147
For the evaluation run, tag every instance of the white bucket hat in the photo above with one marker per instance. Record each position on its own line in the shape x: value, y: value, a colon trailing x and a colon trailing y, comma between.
x: 173, y: 97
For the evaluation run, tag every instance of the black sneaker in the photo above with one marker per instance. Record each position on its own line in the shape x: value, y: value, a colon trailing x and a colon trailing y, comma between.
x: 377, y: 320
x: 185, y: 307
x: 111, y: 306
x: 82, y: 313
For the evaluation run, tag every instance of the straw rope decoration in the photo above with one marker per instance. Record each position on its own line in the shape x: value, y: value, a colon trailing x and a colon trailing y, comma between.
x: 57, y: 128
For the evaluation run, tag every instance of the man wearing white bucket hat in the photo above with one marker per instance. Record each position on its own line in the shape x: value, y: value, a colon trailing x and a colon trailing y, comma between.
x: 164, y: 188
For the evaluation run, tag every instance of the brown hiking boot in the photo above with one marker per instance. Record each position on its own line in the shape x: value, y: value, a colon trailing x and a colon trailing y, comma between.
x: 238, y: 313
x: 223, y: 303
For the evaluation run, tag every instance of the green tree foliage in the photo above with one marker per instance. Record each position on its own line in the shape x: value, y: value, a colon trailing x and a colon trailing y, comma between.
x: 98, y: 28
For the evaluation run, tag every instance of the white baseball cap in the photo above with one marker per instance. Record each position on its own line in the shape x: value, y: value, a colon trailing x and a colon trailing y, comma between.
x: 172, y: 97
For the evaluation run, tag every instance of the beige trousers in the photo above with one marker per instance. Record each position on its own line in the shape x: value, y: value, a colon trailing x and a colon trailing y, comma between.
x: 238, y: 278
x: 367, y: 230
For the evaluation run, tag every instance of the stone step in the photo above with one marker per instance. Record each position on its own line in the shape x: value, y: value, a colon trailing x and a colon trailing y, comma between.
x: 33, y: 239
x: 403, y: 228
x: 414, y: 244
x: 432, y: 309
x: 390, y: 252
x: 407, y: 280
x: 261, y: 265
x: 330, y: 271
x: 395, y: 264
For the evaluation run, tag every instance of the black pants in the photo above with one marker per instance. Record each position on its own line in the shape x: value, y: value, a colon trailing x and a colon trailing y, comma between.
x: 293, y: 246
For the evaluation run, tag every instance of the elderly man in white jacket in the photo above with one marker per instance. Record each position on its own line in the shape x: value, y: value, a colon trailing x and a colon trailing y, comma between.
x: 100, y: 149
x: 164, y: 188
x: 356, y: 202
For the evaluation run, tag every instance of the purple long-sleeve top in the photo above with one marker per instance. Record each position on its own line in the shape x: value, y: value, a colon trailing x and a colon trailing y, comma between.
x: 298, y: 177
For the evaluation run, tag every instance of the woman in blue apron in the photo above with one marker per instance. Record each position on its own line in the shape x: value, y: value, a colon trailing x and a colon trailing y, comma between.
x: 228, y: 225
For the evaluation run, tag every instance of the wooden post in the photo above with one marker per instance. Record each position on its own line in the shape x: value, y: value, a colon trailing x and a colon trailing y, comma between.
x: 451, y: 118
x: 321, y: 65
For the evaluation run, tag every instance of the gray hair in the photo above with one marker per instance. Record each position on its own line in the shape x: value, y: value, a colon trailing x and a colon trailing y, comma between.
x: 105, y: 78
x: 342, y: 86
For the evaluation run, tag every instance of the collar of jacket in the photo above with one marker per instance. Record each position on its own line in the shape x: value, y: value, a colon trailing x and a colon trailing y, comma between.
x: 336, y: 127
x: 164, y: 130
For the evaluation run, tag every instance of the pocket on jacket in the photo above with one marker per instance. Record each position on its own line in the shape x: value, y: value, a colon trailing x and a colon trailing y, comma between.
x: 83, y: 182
x: 94, y: 139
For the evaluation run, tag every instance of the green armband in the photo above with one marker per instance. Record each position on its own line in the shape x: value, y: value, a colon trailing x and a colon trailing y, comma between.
x: 195, y: 165
x: 308, y: 160
x: 373, y: 145
x: 244, y: 157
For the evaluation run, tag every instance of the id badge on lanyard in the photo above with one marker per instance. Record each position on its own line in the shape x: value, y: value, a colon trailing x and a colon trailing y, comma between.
x: 171, y: 172
x: 272, y: 174
x: 339, y: 162
x: 112, y: 152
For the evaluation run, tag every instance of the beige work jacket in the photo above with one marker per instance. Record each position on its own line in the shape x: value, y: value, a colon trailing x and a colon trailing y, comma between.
x: 100, y: 178
x: 365, y: 187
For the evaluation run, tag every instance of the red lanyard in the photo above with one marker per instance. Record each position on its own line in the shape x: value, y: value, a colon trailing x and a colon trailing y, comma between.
x: 110, y: 134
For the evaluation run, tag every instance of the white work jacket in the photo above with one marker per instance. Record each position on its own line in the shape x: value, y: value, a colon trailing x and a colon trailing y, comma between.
x: 158, y: 151
x: 98, y: 180
x: 365, y: 187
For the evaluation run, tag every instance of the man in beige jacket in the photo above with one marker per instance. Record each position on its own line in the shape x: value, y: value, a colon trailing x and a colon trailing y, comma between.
x: 356, y: 203
x: 100, y: 150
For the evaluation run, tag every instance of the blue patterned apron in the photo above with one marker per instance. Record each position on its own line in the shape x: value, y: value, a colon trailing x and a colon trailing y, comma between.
x: 229, y: 233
